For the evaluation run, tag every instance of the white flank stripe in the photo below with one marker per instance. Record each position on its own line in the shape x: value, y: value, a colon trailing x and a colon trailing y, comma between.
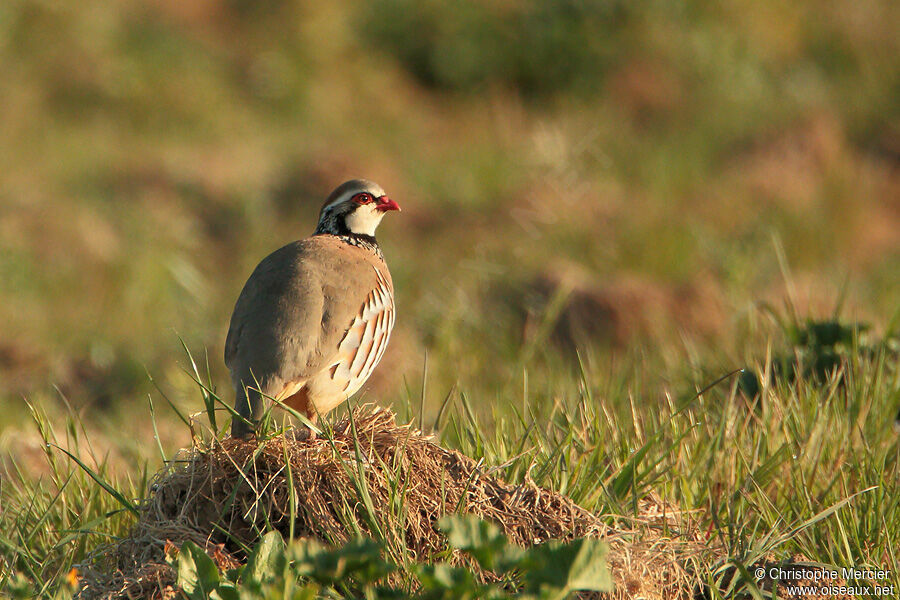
x: 364, y: 348
x: 365, y: 342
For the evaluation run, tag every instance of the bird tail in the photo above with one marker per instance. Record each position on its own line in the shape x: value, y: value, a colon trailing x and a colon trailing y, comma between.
x: 248, y: 404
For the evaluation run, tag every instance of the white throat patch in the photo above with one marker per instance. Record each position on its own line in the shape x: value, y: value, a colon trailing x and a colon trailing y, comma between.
x: 364, y: 219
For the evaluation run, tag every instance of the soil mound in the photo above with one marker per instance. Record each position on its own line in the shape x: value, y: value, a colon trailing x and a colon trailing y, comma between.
x: 222, y: 496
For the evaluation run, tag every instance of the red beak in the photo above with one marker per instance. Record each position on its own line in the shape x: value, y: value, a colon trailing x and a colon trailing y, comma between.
x: 385, y: 204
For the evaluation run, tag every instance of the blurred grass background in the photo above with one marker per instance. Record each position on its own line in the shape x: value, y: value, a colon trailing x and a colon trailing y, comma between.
x: 631, y: 180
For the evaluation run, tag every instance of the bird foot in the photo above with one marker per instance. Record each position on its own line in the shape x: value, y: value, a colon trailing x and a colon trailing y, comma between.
x: 302, y: 434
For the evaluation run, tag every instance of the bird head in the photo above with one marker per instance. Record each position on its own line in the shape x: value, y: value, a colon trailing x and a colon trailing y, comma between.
x: 355, y: 207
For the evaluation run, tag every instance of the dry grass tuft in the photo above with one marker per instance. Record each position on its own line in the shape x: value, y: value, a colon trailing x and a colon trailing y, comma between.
x: 222, y: 496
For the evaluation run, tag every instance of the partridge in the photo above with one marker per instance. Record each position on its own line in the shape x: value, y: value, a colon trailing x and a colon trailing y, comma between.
x: 315, y: 316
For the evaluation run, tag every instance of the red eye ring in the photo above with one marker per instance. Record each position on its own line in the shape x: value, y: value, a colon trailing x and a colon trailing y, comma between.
x: 363, y: 198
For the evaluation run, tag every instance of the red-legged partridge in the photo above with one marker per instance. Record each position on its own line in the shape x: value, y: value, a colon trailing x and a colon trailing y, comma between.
x: 314, y: 317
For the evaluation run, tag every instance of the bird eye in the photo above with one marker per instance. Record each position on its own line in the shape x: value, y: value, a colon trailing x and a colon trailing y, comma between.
x: 363, y: 198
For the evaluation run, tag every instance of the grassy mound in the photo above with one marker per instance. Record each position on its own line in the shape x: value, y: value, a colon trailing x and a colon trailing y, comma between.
x: 366, y: 476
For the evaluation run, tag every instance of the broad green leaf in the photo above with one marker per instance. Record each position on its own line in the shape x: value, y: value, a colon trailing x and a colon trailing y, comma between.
x: 225, y: 591
x: 267, y: 560
x: 482, y: 539
x: 579, y: 565
x: 443, y: 581
x: 360, y: 559
x: 198, y: 575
